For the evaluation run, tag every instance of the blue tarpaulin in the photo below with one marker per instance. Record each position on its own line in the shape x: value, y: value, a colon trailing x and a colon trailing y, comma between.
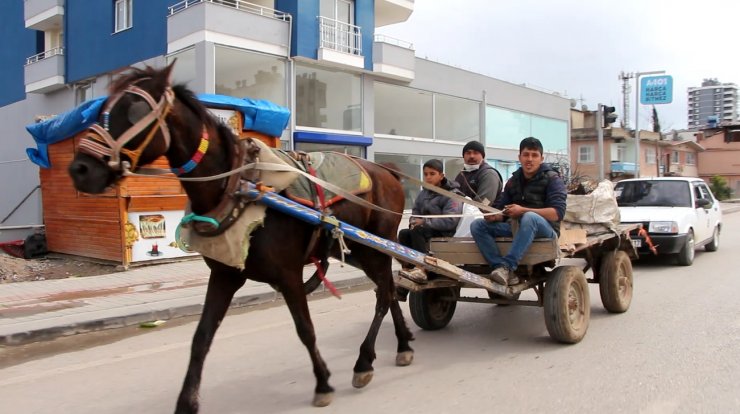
x: 61, y: 127
x: 259, y: 115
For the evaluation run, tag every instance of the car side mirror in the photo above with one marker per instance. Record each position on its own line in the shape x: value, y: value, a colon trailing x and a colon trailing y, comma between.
x: 703, y: 203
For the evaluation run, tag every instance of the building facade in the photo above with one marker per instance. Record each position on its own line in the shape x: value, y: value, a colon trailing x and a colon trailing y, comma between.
x: 658, y: 157
x: 722, y: 155
x: 348, y: 87
x: 711, y: 104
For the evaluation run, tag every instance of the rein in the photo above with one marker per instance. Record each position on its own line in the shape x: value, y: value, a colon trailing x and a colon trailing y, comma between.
x: 161, y: 173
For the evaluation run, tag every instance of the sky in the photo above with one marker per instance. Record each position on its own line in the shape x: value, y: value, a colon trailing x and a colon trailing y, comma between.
x: 578, y: 48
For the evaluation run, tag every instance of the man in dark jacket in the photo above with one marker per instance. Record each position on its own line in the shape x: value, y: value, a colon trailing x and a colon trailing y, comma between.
x: 478, y: 180
x: 422, y: 229
x: 535, y: 195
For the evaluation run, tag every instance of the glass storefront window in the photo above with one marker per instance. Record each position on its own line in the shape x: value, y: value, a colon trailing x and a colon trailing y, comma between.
x: 328, y: 99
x: 408, y: 164
x: 505, y: 128
x: 184, y: 70
x: 412, y: 165
x: 552, y: 132
x: 356, y: 150
x: 456, y: 119
x: 403, y: 111
x: 244, y: 74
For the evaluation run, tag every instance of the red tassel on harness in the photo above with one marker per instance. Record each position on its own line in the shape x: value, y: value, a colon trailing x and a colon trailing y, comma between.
x: 326, y: 281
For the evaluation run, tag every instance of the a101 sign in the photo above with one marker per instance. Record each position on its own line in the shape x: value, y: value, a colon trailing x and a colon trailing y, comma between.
x: 656, y: 90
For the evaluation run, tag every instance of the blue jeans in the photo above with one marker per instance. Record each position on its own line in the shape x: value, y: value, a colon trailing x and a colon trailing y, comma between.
x: 531, y: 226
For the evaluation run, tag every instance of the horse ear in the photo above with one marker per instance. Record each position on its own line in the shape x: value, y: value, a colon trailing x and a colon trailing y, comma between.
x: 167, y: 72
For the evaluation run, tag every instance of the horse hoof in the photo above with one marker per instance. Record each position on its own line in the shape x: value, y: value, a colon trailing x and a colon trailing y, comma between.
x: 360, y: 379
x: 404, y: 359
x: 322, y: 399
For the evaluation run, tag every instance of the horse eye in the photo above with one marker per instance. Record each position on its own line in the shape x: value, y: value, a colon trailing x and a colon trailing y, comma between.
x: 138, y: 110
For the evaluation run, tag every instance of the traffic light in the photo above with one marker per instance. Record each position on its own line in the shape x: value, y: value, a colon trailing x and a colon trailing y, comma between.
x: 609, y: 116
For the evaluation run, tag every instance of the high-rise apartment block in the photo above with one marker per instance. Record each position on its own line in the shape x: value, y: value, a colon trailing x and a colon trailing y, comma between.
x: 712, y: 103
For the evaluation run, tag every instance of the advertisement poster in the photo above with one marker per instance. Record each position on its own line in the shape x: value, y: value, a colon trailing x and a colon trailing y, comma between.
x: 151, y: 235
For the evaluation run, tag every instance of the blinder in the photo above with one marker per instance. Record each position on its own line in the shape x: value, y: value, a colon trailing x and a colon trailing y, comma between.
x: 99, y: 143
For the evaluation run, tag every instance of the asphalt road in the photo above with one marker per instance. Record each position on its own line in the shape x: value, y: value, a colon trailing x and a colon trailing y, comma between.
x: 677, y: 350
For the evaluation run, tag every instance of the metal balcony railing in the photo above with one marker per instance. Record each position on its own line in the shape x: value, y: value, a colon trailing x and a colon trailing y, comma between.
x: 44, y: 55
x: 393, y: 41
x: 234, y: 4
x: 340, y: 36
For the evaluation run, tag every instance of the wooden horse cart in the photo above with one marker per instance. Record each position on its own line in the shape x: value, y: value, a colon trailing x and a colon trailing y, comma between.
x: 562, y: 290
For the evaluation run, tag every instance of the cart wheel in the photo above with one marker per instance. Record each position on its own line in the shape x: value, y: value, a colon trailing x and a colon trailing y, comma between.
x: 429, y: 310
x: 567, y: 304
x: 492, y: 295
x: 615, y: 283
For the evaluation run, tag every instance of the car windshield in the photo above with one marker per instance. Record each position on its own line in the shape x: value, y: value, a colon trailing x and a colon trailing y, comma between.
x: 654, y: 193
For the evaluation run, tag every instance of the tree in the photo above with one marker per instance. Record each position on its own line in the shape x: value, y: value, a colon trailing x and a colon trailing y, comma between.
x: 719, y: 187
x: 656, y: 121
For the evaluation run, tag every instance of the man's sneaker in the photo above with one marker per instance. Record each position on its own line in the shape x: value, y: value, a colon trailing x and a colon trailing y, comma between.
x: 504, y: 276
x: 416, y: 274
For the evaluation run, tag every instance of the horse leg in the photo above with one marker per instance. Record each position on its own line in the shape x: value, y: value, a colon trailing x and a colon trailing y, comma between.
x: 377, y: 267
x: 222, y: 285
x: 295, y: 298
x: 405, y: 354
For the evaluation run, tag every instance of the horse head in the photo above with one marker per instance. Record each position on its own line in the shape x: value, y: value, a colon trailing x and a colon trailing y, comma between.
x: 130, y: 131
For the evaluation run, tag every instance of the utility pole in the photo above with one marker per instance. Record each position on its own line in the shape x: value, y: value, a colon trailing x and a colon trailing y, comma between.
x: 637, y: 116
x: 600, y: 140
x: 626, y: 89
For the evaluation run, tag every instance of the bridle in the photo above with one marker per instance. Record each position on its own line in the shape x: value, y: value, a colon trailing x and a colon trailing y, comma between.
x: 99, y: 143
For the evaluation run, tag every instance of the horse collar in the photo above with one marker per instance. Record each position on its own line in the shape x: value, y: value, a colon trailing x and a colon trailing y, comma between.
x: 196, y: 158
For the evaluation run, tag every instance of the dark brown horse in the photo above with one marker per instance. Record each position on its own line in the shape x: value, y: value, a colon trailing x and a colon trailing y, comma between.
x: 145, y: 118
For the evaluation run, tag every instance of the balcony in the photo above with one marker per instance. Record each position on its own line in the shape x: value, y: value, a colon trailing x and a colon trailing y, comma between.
x: 228, y: 22
x: 623, y: 167
x: 340, y: 43
x: 393, y: 58
x: 44, y: 14
x: 45, y: 72
x: 392, y: 11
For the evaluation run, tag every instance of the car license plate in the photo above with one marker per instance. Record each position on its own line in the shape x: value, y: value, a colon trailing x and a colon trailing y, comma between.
x: 637, y: 242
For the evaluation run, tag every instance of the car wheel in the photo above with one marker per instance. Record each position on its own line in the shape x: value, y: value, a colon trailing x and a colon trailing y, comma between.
x: 686, y: 255
x: 714, y: 244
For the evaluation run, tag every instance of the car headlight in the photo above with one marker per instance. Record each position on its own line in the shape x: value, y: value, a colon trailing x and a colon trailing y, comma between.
x: 663, y: 227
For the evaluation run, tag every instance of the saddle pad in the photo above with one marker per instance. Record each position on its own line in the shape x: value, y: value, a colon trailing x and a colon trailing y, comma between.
x: 333, y: 167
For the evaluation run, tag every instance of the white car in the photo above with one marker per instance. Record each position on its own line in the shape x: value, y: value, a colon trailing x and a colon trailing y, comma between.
x: 679, y: 214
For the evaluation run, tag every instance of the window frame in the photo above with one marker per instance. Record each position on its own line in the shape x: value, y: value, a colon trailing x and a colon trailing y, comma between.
x: 590, y: 159
x: 127, y: 15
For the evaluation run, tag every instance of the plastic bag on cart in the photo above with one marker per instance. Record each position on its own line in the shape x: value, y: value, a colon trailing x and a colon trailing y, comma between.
x: 470, y: 213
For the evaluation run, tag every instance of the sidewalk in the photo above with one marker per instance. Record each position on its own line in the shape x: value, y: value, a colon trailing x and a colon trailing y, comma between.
x: 42, y: 310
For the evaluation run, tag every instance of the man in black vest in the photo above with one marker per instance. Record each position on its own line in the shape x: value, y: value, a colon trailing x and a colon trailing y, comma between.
x: 478, y: 180
x: 535, y: 195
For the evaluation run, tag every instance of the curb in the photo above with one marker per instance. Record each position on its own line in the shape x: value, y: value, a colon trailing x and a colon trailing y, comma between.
x: 114, y: 322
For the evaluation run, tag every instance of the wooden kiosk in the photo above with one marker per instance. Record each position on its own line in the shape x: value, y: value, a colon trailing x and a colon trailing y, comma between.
x: 134, y: 221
